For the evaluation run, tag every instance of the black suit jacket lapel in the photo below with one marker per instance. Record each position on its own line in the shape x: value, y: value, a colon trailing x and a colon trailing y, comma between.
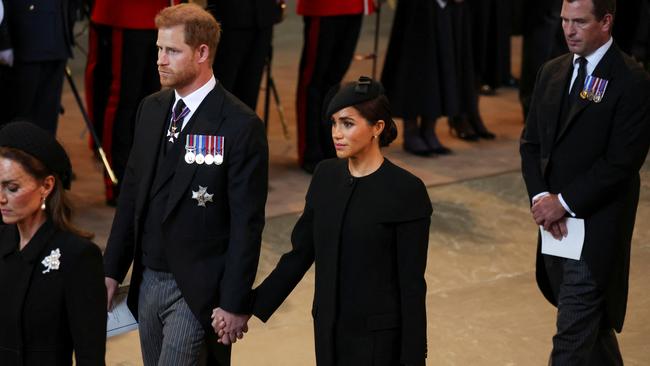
x: 206, y: 118
x: 152, y: 137
x: 557, y: 87
x: 603, y: 70
x: 170, y: 161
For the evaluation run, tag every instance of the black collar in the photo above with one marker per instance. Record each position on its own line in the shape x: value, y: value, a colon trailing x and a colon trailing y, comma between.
x: 9, y: 239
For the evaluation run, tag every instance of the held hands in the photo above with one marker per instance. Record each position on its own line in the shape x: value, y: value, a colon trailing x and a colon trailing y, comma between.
x: 228, y: 326
x: 111, y: 287
x: 549, y: 213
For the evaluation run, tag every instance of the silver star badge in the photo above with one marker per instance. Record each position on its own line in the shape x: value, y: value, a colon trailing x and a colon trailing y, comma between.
x: 202, y: 196
x: 52, y: 261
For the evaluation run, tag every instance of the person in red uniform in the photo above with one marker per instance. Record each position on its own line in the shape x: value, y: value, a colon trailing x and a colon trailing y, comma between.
x: 331, y: 30
x: 121, y: 70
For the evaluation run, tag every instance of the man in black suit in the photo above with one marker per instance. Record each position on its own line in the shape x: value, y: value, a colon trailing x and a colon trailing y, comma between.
x: 245, y: 44
x: 586, y: 138
x: 542, y: 40
x: 41, y: 38
x: 191, y: 211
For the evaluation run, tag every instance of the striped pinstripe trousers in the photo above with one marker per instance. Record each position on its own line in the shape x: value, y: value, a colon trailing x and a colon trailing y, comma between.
x: 584, y: 336
x: 170, y: 334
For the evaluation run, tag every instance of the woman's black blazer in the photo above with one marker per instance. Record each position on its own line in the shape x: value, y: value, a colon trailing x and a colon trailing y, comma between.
x: 45, y: 316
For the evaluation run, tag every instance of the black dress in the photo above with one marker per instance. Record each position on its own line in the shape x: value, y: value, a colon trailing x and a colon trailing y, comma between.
x: 420, y: 70
x: 45, y: 315
x: 491, y: 31
x: 368, y: 238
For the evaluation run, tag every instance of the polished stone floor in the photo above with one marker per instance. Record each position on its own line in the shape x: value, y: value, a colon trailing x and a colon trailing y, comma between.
x: 483, y: 304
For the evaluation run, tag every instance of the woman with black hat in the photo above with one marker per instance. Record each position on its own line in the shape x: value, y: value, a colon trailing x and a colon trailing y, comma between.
x: 366, y: 226
x: 51, y: 275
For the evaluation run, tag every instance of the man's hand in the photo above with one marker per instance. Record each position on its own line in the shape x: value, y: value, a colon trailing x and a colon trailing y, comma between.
x: 111, y: 287
x: 547, y: 210
x: 228, y: 326
x: 558, y: 229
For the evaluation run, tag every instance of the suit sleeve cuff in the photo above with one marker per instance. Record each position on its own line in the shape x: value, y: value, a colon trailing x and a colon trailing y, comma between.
x: 538, y: 196
x: 564, y: 204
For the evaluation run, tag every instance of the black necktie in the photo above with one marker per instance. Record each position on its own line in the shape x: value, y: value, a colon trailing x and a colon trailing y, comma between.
x: 178, y: 115
x: 578, y: 84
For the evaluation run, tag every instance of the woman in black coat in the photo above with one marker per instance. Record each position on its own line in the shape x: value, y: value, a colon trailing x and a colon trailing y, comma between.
x: 420, y: 74
x: 51, y: 275
x: 366, y: 227
x: 429, y: 72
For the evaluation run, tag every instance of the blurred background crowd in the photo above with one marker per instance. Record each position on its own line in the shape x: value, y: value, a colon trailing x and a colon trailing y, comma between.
x: 442, y: 56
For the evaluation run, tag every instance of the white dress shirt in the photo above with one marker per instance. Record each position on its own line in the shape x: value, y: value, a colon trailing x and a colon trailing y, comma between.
x: 194, y: 99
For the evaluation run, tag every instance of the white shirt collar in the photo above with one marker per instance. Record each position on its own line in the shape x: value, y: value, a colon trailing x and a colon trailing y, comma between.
x: 194, y: 99
x: 595, y: 57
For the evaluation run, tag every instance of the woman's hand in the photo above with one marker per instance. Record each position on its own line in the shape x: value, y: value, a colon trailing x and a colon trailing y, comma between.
x: 229, y: 326
x: 111, y: 287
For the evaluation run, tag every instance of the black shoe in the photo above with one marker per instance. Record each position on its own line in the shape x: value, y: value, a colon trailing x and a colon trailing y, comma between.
x: 482, y: 131
x: 428, y: 134
x: 486, y: 90
x: 442, y: 150
x: 459, y: 127
x: 487, y: 135
x: 417, y: 146
x: 413, y: 142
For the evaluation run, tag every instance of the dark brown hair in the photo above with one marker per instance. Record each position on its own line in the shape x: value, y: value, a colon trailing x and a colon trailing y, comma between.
x: 200, y: 26
x: 58, y: 207
x: 601, y: 8
x: 379, y: 109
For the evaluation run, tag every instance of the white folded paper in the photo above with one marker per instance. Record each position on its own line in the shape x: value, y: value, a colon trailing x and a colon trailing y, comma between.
x: 120, y: 320
x: 568, y: 247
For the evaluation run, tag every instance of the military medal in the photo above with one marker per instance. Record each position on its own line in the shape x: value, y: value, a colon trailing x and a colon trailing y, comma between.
x: 594, y: 88
x: 200, y: 158
x: 600, y: 90
x: 172, y: 134
x: 202, y: 196
x: 190, y: 148
x: 587, y: 92
x: 218, y: 155
x: 209, y: 157
x: 174, y: 129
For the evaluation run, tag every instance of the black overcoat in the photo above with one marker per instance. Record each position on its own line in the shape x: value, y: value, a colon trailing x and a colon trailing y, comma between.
x: 593, y: 160
x: 240, y: 14
x: 420, y: 68
x: 45, y: 316
x: 390, y: 276
x: 212, y: 251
